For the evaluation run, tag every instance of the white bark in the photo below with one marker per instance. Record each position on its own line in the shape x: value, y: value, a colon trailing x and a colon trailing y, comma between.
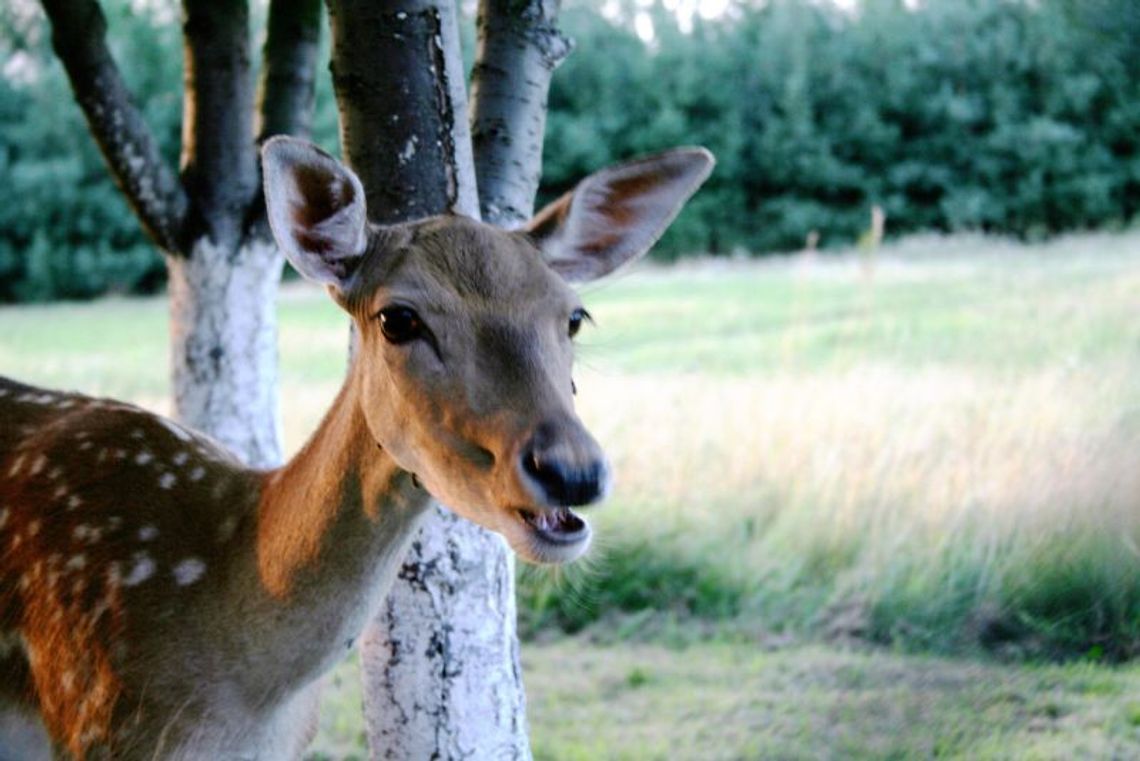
x: 442, y: 657
x: 223, y: 343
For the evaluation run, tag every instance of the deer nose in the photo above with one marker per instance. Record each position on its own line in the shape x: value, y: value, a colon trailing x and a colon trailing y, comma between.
x: 566, y: 471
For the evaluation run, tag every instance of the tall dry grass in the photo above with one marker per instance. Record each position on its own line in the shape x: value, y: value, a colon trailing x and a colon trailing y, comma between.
x: 894, y: 495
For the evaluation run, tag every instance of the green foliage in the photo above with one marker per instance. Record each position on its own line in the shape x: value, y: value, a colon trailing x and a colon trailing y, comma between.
x: 990, y: 115
x: 998, y: 115
x: 632, y: 578
x: 65, y: 230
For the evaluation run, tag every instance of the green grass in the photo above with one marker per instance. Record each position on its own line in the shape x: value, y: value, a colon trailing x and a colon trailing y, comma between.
x: 738, y: 701
x: 937, y: 449
x: 771, y: 698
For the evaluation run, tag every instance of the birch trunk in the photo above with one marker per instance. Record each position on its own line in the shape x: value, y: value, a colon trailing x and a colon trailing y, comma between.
x: 519, y: 48
x: 223, y: 345
x: 441, y: 670
x: 208, y: 219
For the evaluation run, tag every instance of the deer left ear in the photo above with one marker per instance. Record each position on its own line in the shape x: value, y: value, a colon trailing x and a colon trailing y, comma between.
x: 316, y: 210
x: 614, y: 216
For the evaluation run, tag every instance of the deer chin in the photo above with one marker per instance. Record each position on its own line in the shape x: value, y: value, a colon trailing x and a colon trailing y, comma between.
x: 548, y: 535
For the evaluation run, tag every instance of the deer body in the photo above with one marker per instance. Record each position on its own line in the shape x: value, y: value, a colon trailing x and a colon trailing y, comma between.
x: 160, y: 600
x: 197, y: 556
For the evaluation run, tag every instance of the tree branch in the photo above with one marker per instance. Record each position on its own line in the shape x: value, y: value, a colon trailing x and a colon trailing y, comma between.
x: 519, y: 48
x: 219, y: 157
x: 400, y: 90
x: 289, y: 57
x: 152, y: 189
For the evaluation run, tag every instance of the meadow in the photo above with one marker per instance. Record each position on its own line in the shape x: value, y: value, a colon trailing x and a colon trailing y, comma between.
x: 863, y: 500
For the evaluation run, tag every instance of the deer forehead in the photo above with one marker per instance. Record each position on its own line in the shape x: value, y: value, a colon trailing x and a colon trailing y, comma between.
x: 457, y: 266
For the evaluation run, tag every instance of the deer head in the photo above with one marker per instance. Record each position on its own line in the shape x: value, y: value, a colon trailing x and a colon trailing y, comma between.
x: 465, y: 332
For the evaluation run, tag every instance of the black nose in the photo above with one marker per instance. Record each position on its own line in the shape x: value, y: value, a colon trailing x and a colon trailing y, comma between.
x: 566, y: 485
x: 566, y: 478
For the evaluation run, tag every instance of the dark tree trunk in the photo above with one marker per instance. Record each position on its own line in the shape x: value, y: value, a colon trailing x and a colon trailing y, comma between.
x: 223, y: 326
x: 79, y: 32
x: 442, y: 676
x: 287, y: 85
x: 399, y: 85
x: 223, y: 266
x: 441, y: 659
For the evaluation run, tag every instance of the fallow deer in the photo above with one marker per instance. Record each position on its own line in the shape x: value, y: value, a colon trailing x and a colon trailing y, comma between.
x: 159, y: 600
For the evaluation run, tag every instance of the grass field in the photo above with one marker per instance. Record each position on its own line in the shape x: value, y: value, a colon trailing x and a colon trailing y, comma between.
x: 935, y: 449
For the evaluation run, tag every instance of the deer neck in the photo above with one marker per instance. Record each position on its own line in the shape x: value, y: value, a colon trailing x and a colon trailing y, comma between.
x: 333, y: 522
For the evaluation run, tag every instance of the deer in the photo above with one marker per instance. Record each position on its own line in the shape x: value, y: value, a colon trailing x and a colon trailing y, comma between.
x: 160, y: 600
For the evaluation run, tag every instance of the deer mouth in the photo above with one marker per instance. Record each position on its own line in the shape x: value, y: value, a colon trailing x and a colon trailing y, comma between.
x: 557, y: 525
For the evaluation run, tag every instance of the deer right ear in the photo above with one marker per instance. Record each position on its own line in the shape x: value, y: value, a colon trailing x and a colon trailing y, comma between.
x: 614, y: 216
x: 316, y: 210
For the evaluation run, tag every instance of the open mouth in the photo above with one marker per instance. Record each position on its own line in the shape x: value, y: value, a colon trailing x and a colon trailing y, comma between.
x: 558, y: 525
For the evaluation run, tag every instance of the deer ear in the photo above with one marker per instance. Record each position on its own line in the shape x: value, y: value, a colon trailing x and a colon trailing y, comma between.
x: 614, y: 216
x: 316, y: 210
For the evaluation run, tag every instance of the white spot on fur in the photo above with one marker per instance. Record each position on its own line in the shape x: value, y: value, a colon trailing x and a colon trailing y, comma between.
x: 114, y: 574
x: 84, y: 532
x: 33, y: 528
x: 197, y: 473
x: 76, y: 562
x: 167, y: 480
x: 3, y: 517
x: 180, y: 458
x: 38, y: 465
x: 60, y: 492
x: 226, y: 528
x: 142, y: 570
x: 73, y: 502
x: 143, y: 457
x: 84, y: 446
x: 63, y: 405
x: 137, y: 433
x: 120, y: 454
x: 188, y: 571
x: 55, y: 473
x: 17, y: 465
x: 147, y: 533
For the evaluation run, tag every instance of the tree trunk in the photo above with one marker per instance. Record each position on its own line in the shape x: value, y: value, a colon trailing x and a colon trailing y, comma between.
x: 224, y: 279
x: 441, y: 661
x: 223, y: 345
x: 442, y: 678
x: 519, y: 48
x: 209, y: 222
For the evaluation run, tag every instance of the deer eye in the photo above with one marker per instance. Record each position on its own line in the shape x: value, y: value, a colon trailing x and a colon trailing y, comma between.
x: 400, y: 324
x: 576, y: 319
